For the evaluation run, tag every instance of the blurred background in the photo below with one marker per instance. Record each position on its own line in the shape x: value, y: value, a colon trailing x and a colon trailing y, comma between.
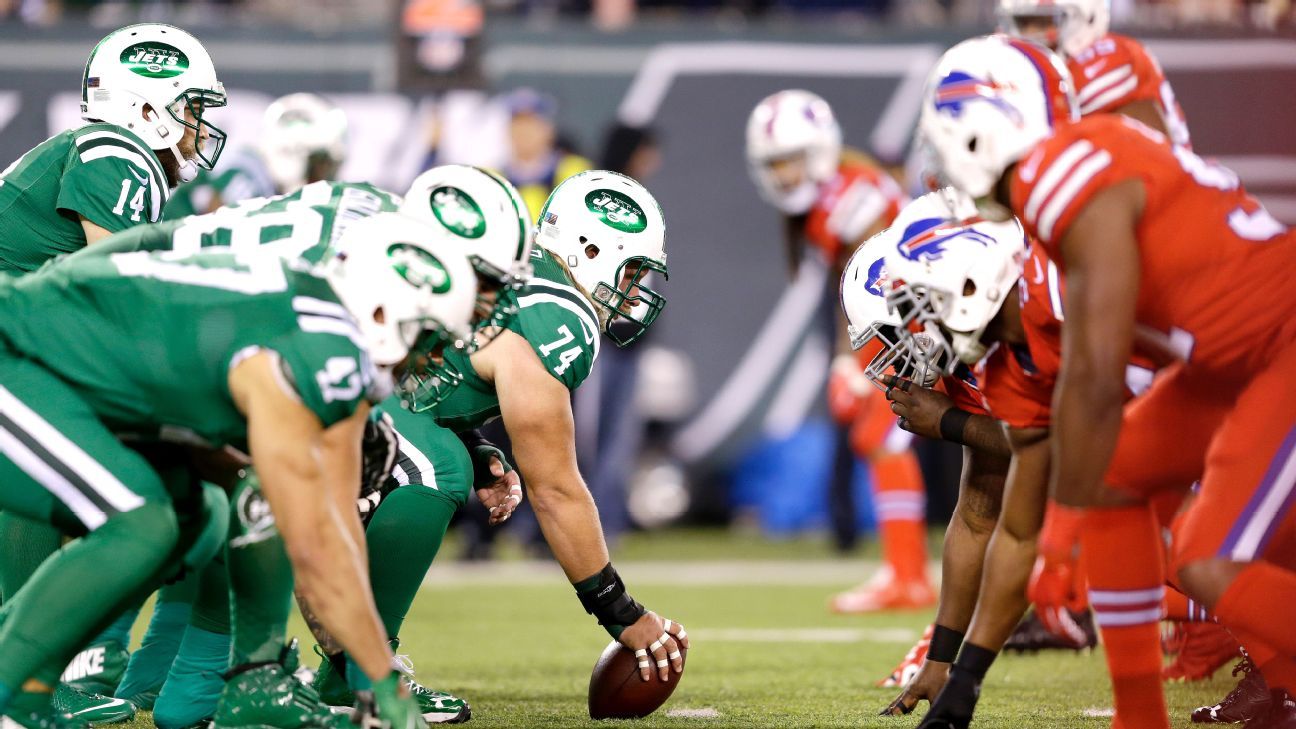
x: 717, y: 418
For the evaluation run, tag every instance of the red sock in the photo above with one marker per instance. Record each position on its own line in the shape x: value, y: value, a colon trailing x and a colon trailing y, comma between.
x: 1259, y: 603
x: 901, y: 505
x: 1122, y: 550
x: 1179, y: 607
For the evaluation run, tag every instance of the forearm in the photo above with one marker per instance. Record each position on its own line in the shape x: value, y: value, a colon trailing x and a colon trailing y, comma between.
x: 1087, y: 418
x: 570, y: 523
x: 966, y: 540
x: 333, y: 579
x: 983, y: 433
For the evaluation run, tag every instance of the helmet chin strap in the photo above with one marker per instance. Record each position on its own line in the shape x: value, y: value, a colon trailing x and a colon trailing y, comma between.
x: 188, y: 169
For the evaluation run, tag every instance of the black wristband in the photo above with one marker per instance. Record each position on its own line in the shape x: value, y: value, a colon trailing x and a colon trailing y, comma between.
x: 952, y: 424
x: 945, y: 644
x: 604, y: 596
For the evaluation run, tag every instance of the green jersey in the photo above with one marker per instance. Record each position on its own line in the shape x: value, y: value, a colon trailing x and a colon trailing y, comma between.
x: 304, y: 224
x: 156, y: 335
x: 244, y: 176
x: 100, y: 172
x: 562, y: 328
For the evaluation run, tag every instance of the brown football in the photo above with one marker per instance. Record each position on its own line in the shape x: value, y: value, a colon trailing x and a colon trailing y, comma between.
x: 617, y: 692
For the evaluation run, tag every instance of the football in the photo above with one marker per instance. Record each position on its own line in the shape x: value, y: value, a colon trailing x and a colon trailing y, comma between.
x: 617, y: 692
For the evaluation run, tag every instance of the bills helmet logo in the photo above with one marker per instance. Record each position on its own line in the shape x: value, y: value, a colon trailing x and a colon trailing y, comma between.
x: 876, y: 281
x: 959, y: 88
x: 924, y: 240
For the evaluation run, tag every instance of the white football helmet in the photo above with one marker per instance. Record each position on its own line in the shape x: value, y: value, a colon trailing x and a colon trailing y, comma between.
x: 167, y: 70
x: 1076, y: 24
x: 952, y: 273
x: 297, y: 130
x: 790, y: 125
x: 609, y: 231
x: 988, y: 102
x: 412, y: 291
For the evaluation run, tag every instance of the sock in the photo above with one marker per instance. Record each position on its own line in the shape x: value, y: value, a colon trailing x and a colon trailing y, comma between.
x: 900, y: 504
x: 975, y: 660
x: 151, y: 662
x: 411, y: 523
x: 261, y: 584
x: 27, y: 544
x: 356, y: 679
x: 1122, y: 548
x: 193, y: 687
x: 1181, y: 608
x: 114, y: 563
x: 1258, y: 603
x: 120, y: 629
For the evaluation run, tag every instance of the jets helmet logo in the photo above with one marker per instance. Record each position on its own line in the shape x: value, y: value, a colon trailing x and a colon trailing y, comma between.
x: 617, y: 211
x: 155, y: 60
x: 924, y: 240
x: 458, y: 212
x: 420, y: 268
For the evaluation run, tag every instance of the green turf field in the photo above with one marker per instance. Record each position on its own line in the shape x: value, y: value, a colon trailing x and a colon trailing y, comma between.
x: 512, y: 639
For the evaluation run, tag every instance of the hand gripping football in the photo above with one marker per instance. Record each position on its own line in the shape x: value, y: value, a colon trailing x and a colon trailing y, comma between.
x: 617, y: 692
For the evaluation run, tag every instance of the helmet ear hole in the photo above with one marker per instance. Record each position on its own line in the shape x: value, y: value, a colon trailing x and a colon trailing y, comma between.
x: 380, y: 316
x: 591, y: 250
x: 969, y: 287
x: 972, y: 144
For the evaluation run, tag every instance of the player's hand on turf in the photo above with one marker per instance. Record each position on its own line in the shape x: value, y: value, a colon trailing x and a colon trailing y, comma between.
x: 388, y: 706
x: 1052, y: 589
x: 925, y: 686
x: 503, y: 495
x: 656, y: 641
x: 919, y: 408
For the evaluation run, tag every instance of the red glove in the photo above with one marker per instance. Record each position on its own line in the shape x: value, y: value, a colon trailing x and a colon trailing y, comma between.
x: 847, y: 388
x: 1052, y: 584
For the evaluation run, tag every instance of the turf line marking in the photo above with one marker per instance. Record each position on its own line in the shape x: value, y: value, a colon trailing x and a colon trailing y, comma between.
x: 805, y: 635
x: 705, y: 713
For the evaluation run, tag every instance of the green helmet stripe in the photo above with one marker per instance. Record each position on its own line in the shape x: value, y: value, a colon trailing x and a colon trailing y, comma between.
x: 513, y: 199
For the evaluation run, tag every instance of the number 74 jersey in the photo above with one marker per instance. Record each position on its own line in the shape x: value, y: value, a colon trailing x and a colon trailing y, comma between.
x: 1213, y: 263
x: 148, y: 338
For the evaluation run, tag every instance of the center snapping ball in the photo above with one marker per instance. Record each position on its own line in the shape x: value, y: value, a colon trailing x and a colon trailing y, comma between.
x: 617, y: 692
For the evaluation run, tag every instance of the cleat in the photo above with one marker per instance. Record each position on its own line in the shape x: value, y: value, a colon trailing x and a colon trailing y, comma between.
x: 1031, y: 636
x: 95, y: 709
x: 268, y: 696
x: 954, y: 706
x: 97, y: 669
x: 913, y: 660
x: 1281, y: 714
x: 884, y: 592
x: 1248, y: 700
x: 437, y: 707
x: 1206, y: 648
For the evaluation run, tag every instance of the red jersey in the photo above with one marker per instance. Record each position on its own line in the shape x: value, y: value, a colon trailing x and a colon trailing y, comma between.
x: 1216, y: 270
x: 1117, y: 70
x: 1016, y: 380
x: 860, y: 198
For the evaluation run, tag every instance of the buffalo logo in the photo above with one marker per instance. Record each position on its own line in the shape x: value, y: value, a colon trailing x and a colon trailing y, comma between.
x: 876, y: 281
x: 458, y: 212
x: 420, y: 268
x: 959, y: 88
x: 155, y: 60
x: 617, y: 211
x: 924, y: 240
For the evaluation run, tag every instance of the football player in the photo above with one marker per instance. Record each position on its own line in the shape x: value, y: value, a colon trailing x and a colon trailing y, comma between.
x: 834, y: 202
x: 1149, y: 237
x: 303, y: 139
x: 482, y: 212
x: 144, y: 97
x: 600, y: 237
x: 958, y: 417
x: 1113, y: 73
x: 158, y: 359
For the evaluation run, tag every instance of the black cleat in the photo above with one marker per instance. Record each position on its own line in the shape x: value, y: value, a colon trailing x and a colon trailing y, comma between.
x: 1248, y: 700
x: 1031, y: 636
x: 1282, y: 713
x: 954, y: 706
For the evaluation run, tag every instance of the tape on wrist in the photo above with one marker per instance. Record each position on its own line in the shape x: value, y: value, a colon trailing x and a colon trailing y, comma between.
x: 953, y: 423
x: 945, y: 644
x: 604, y: 596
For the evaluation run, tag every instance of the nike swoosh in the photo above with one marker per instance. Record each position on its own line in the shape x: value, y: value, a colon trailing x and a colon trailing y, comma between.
x: 107, y: 704
x: 143, y: 180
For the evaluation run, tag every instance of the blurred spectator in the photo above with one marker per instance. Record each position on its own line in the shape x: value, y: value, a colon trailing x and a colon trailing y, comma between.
x: 536, y: 163
x: 438, y: 44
